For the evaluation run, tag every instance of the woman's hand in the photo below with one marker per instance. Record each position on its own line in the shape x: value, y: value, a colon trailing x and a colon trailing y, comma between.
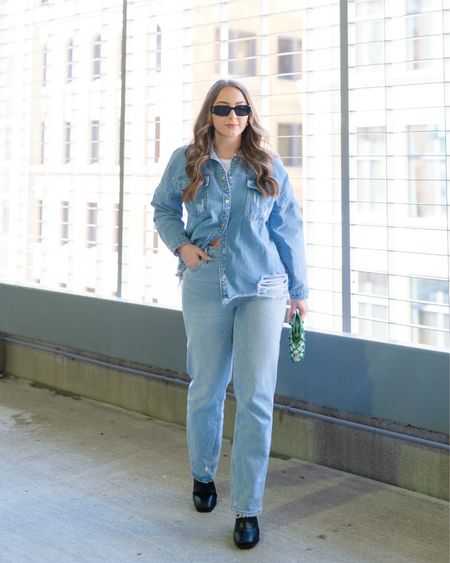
x: 301, y: 305
x: 192, y: 255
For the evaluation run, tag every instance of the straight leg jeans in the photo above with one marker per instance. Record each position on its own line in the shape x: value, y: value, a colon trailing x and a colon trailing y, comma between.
x: 241, y: 338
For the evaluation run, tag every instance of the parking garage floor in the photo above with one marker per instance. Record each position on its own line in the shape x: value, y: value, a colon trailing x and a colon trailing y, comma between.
x: 86, y: 482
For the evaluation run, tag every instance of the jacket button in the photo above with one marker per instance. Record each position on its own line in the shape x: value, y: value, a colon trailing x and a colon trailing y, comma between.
x: 222, y: 226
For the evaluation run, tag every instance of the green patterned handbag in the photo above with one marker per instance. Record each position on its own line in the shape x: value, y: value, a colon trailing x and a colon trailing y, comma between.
x: 297, y: 339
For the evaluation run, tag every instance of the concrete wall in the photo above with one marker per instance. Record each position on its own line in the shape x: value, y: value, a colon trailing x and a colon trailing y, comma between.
x: 371, y: 408
x: 400, y: 384
x: 381, y: 455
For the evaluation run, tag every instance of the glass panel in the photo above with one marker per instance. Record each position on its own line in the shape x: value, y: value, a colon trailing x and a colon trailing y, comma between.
x: 321, y: 182
x: 398, y: 169
x: 60, y: 140
x: 54, y: 231
x: 264, y: 46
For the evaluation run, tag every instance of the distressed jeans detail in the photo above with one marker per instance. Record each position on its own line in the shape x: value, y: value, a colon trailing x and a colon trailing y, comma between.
x: 239, y: 339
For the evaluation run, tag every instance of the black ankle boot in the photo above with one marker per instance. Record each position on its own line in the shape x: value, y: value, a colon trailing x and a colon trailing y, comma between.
x: 246, y: 532
x: 204, y: 496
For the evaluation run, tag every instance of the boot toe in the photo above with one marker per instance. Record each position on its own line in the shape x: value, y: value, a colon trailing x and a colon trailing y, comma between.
x: 246, y: 532
x: 204, y: 496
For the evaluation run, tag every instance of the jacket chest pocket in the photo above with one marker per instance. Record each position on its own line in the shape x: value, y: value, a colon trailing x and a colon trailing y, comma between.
x: 257, y: 206
x: 198, y: 206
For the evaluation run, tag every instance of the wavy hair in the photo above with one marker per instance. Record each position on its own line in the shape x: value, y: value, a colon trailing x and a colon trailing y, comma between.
x: 254, y: 145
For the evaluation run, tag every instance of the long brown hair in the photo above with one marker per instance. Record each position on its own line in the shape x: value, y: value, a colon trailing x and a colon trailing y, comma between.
x: 254, y: 143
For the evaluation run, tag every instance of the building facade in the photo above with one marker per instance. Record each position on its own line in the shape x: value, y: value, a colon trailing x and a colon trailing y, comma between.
x: 75, y: 194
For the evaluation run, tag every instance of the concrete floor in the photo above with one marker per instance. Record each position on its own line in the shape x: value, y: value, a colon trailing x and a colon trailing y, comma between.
x: 85, y: 482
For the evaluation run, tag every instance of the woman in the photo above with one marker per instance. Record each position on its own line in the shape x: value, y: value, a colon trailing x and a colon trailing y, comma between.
x: 241, y: 255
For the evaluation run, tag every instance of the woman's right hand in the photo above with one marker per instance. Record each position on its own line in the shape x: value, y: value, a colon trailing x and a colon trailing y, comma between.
x: 192, y: 255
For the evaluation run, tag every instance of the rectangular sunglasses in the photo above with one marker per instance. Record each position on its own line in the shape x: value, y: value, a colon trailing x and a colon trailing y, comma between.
x: 223, y: 111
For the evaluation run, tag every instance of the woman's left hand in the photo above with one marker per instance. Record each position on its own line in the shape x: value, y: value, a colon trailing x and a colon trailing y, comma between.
x: 301, y: 305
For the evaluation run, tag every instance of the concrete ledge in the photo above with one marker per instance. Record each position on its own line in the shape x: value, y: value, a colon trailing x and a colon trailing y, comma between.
x: 363, y: 451
x: 344, y: 373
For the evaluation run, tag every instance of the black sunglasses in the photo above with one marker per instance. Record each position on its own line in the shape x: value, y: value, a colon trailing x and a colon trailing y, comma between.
x: 223, y: 111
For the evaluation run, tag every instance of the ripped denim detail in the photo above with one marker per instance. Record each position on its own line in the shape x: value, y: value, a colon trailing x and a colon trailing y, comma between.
x: 273, y: 286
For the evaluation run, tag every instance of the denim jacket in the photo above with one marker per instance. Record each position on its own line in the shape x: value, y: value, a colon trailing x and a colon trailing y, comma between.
x: 261, y: 238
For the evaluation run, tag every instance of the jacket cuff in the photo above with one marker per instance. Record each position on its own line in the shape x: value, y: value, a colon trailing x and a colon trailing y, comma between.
x: 179, y: 242
x: 299, y: 295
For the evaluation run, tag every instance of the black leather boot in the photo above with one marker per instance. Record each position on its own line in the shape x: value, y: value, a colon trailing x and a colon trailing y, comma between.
x: 246, y: 532
x: 204, y: 496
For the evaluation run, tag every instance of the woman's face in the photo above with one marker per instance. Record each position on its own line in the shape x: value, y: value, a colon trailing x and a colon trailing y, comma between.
x: 230, y: 126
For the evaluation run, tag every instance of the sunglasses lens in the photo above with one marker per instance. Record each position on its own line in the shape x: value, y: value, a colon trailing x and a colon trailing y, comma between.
x: 223, y: 111
x: 242, y: 110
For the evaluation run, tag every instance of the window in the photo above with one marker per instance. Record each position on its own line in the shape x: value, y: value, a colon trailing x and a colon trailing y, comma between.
x: 38, y: 220
x: 67, y: 139
x: 158, y: 49
x: 6, y: 148
x: 426, y: 170
x: 64, y: 222
x: 4, y: 217
x: 44, y: 65
x: 366, y: 9
x: 371, y: 140
x: 370, y: 155
x: 95, y: 140
x: 155, y: 241
x: 42, y: 144
x: 119, y: 57
x: 372, y: 319
x: 97, y: 58
x: 430, y: 312
x: 91, y: 232
x: 242, y: 53
x: 369, y: 48
x: 118, y: 143
x: 157, y: 138
x: 422, y: 40
x: 69, y: 62
x: 290, y: 143
x: 116, y: 227
x: 289, y: 58
x: 371, y: 304
x: 370, y: 283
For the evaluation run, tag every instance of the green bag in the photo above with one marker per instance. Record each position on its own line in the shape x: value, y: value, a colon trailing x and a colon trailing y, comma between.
x: 297, y: 339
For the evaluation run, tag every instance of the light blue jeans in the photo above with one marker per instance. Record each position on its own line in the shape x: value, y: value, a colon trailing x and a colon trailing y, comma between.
x: 241, y: 338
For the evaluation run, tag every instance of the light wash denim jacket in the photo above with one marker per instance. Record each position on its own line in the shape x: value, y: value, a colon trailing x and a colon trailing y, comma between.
x: 262, y: 248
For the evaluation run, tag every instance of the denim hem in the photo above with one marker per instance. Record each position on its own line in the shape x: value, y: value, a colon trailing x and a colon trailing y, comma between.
x: 246, y: 513
x: 202, y: 479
